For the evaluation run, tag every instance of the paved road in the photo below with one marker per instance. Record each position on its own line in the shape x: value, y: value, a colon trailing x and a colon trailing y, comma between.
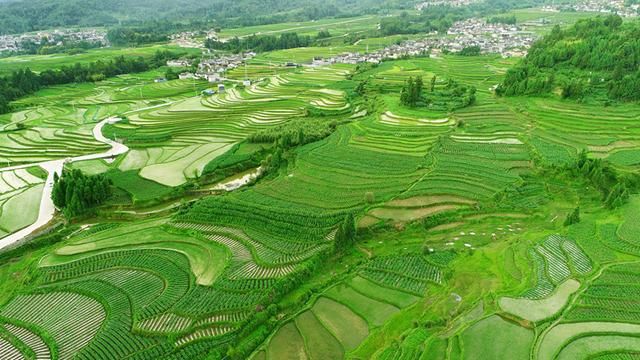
x: 47, y: 209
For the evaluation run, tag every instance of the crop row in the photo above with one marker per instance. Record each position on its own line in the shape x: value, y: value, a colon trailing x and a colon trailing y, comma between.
x: 172, y: 267
x: 32, y: 340
x: 69, y: 318
x: 115, y: 338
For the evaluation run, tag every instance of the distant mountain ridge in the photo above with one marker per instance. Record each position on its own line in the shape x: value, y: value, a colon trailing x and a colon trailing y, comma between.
x: 17, y: 16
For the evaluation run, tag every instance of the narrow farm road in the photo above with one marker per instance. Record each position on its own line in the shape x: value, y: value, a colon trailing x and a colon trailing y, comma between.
x: 47, y: 209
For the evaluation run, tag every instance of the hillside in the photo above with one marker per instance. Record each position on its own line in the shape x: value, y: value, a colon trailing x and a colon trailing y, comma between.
x: 24, y: 16
x: 596, y: 58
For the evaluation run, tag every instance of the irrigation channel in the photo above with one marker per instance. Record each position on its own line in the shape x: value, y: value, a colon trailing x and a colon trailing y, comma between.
x: 47, y: 209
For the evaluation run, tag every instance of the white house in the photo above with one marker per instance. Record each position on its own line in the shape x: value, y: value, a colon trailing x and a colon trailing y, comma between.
x: 178, y: 63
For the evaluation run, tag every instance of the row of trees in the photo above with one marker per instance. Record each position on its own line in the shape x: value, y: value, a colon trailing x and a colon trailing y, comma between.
x: 506, y: 19
x: 595, y: 55
x: 261, y: 43
x: 25, y: 82
x: 30, y: 47
x: 75, y: 193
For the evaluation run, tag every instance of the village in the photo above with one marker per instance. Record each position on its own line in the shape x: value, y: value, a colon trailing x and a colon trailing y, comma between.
x: 506, y: 40
x: 618, y: 7
x: 192, y: 39
x: 15, y: 43
x: 211, y: 67
x: 502, y: 39
x: 451, y: 3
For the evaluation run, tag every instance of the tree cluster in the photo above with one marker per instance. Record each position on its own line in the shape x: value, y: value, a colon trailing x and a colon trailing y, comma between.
x: 470, y: 51
x: 615, y: 189
x: 323, y: 34
x: 295, y: 133
x: 25, y: 82
x: 411, y: 93
x: 450, y: 97
x: 30, y: 47
x: 573, y: 217
x: 346, y: 233
x: 506, y: 19
x: 75, y: 193
x: 597, y: 55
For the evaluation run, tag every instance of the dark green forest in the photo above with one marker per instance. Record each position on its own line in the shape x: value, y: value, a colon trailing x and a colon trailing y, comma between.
x: 596, y: 58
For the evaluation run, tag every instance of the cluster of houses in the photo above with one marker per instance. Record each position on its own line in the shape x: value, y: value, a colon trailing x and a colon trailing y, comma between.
x: 452, y: 3
x: 491, y: 38
x: 213, y: 69
x: 618, y: 7
x: 192, y: 39
x: 14, y: 43
x: 506, y: 40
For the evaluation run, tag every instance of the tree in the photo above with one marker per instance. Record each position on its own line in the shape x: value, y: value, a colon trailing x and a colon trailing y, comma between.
x: 617, y: 196
x: 470, y: 51
x: 349, y: 226
x: 573, y: 217
x: 345, y: 234
x: 369, y: 197
x: 407, y: 92
x: 361, y: 87
x: 411, y: 93
x: 417, y: 91
x: 323, y: 34
x: 170, y: 74
x: 433, y: 83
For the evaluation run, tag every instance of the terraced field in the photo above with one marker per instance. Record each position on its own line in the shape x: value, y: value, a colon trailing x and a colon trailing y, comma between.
x: 460, y: 249
x: 60, y: 125
x: 562, y: 130
x: 343, y: 316
x: 201, y: 128
x: 20, y: 192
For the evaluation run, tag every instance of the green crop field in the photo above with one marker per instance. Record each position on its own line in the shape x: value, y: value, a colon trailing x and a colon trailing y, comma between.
x: 39, y: 63
x: 312, y: 214
x: 337, y: 27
